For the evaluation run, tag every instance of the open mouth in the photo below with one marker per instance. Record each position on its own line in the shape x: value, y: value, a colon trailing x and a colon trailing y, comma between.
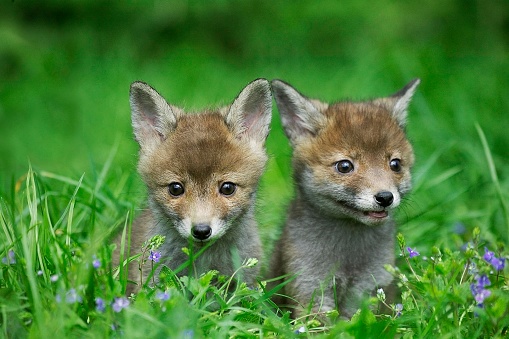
x: 378, y: 215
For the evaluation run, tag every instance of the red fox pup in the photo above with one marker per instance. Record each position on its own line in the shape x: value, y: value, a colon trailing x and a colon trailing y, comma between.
x: 202, y: 172
x: 351, y: 163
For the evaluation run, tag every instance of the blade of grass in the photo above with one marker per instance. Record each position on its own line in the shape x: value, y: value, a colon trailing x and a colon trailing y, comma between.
x: 420, y: 177
x: 493, y: 174
x: 107, y: 165
x: 27, y: 246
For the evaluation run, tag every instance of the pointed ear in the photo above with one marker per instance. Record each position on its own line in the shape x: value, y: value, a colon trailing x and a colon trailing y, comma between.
x: 399, y: 101
x: 251, y: 111
x: 152, y: 117
x: 300, y: 116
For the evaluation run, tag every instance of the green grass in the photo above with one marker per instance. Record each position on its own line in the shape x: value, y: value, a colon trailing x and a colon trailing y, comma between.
x: 65, y: 70
x: 56, y: 229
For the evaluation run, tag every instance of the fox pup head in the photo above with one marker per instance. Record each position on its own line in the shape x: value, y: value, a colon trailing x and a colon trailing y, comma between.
x: 201, y: 169
x: 351, y: 159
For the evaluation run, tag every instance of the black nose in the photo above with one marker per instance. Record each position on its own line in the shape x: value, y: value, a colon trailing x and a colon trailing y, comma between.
x: 201, y: 231
x: 384, y: 198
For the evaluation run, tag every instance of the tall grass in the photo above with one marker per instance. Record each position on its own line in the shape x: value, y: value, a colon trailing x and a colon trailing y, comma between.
x: 57, y: 277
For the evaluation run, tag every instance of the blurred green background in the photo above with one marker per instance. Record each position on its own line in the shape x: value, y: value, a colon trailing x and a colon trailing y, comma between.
x: 66, y: 66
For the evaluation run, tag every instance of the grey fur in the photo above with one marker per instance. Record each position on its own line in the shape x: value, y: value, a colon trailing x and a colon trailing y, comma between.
x: 324, y: 243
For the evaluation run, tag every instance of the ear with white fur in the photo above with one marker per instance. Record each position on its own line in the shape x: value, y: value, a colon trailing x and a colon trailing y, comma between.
x: 152, y: 117
x: 399, y: 101
x: 300, y: 116
x: 251, y: 111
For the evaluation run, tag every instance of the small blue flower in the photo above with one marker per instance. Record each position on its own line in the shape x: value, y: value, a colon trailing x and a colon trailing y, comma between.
x: 154, y: 256
x: 399, y: 309
x: 478, y: 289
x: 380, y: 294
x: 10, y: 259
x: 96, y: 263
x: 483, y: 281
x: 119, y: 304
x: 72, y: 297
x: 53, y: 278
x: 498, y: 263
x: 481, y: 295
x: 300, y: 330
x: 100, y: 306
x: 412, y: 253
x: 163, y: 296
x: 488, y: 255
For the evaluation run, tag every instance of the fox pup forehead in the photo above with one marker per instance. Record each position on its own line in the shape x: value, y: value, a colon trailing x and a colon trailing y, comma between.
x: 375, y: 125
x: 355, y: 130
x: 203, y: 142
x: 202, y: 147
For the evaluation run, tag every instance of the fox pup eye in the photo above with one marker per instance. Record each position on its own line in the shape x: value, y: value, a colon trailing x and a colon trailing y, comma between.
x: 227, y: 188
x: 395, y: 165
x: 344, y: 166
x: 175, y: 189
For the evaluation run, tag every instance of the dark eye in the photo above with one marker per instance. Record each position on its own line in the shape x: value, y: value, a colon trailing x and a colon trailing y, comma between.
x: 344, y: 166
x: 395, y: 165
x: 227, y: 188
x: 176, y: 189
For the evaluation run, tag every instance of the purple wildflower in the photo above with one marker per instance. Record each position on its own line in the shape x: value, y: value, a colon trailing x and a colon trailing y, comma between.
x: 10, y: 259
x: 398, y: 308
x: 53, y: 278
x: 478, y: 289
x: 498, y: 263
x: 488, y: 255
x: 163, y: 296
x: 40, y: 272
x: 100, y: 306
x: 96, y: 263
x: 119, y: 304
x: 481, y: 295
x: 154, y: 256
x: 412, y: 253
x: 72, y: 297
x: 483, y: 281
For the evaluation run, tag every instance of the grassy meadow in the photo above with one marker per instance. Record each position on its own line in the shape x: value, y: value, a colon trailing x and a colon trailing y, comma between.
x: 68, y: 177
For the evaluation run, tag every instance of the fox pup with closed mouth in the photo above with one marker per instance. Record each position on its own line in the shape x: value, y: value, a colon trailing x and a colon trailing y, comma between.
x: 202, y: 172
x: 351, y: 163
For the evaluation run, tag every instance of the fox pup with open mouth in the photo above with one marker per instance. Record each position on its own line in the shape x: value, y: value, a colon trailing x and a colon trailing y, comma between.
x: 202, y: 172
x: 351, y: 163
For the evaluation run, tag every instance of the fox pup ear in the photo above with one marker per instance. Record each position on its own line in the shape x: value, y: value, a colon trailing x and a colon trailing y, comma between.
x: 152, y: 117
x: 399, y: 101
x: 251, y: 111
x: 300, y: 116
